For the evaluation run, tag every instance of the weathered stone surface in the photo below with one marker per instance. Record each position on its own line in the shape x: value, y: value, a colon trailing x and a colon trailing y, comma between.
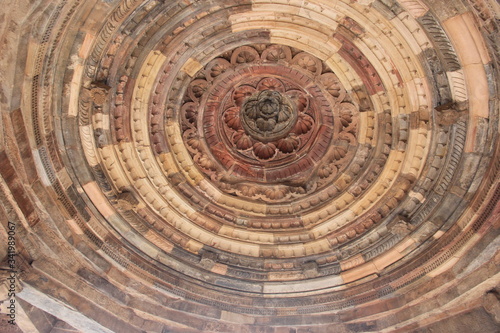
x: 276, y: 166
x: 476, y: 321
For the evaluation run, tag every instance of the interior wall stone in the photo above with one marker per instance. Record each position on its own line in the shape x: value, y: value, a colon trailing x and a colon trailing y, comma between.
x: 250, y: 165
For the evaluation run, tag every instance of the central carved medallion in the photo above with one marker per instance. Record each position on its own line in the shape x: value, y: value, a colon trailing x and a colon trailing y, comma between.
x: 269, y: 123
x: 268, y: 115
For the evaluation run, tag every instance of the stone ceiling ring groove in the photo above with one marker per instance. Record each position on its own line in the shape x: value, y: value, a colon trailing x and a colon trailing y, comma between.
x: 369, y: 163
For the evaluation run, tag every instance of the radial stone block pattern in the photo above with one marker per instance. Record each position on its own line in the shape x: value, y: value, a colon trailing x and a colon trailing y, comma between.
x: 274, y: 166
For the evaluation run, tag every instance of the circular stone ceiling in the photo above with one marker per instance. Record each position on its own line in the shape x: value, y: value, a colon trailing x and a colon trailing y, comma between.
x: 249, y: 166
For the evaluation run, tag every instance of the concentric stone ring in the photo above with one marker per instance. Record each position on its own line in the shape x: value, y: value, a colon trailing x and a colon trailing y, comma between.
x: 250, y: 166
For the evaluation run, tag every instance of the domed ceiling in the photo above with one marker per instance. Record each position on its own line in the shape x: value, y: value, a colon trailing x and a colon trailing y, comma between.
x: 253, y: 165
